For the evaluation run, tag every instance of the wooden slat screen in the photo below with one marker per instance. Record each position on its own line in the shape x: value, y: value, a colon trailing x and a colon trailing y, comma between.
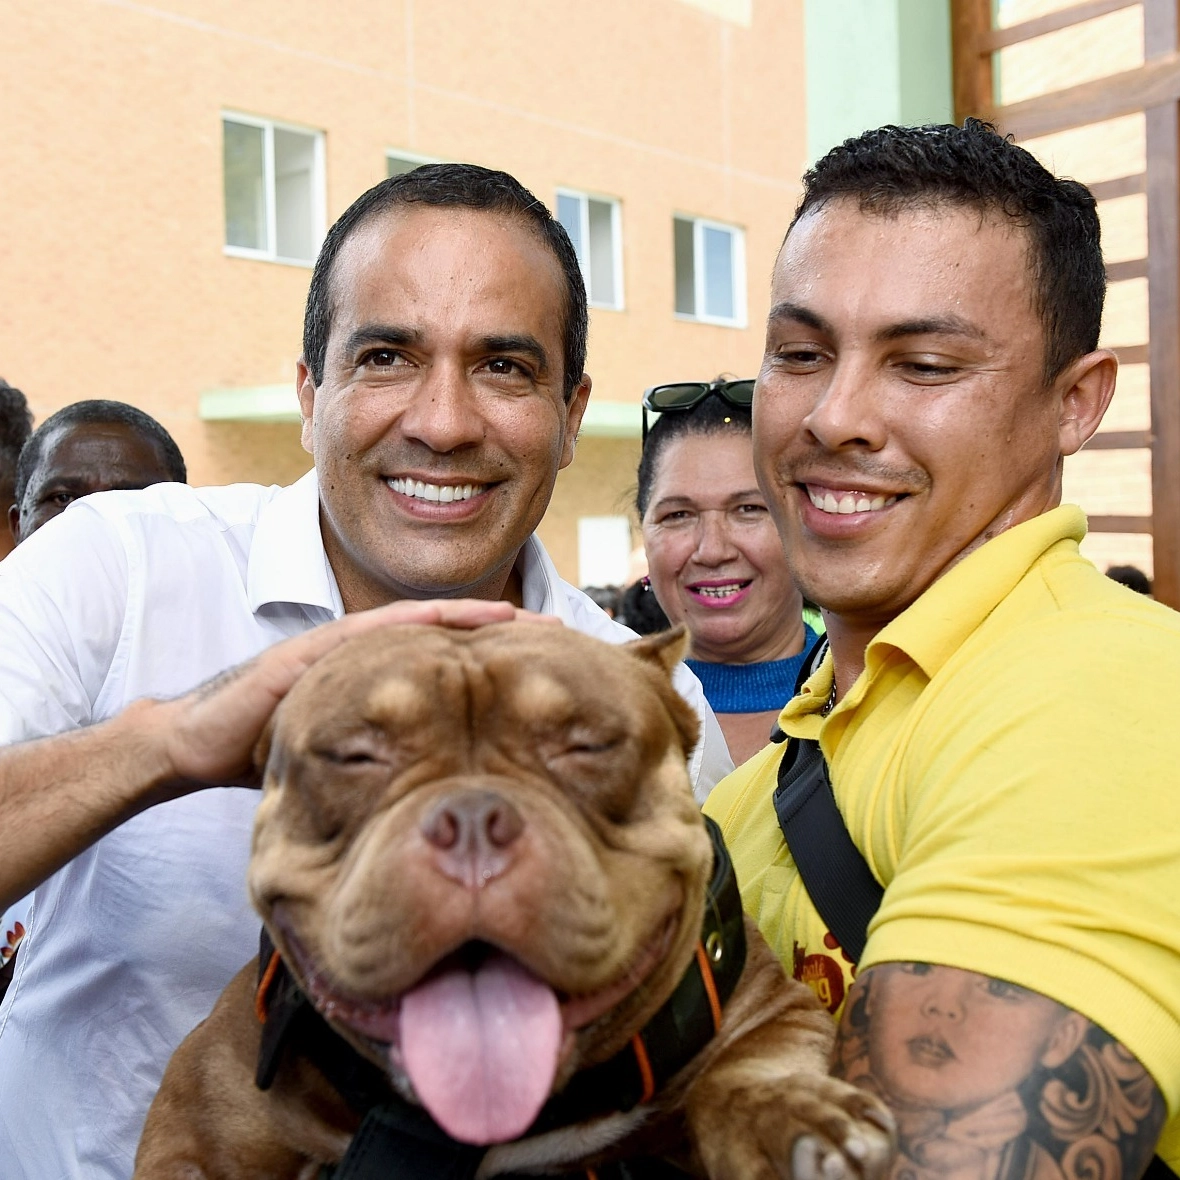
x: 1063, y: 18
x: 1124, y: 186
x: 1153, y: 89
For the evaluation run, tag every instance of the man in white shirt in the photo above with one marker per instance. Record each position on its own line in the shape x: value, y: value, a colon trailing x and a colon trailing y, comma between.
x: 441, y: 388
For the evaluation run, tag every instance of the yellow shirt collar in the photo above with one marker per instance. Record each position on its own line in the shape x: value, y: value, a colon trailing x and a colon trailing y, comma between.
x: 935, y: 625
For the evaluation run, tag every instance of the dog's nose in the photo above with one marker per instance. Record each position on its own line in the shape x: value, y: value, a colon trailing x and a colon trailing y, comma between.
x: 473, y: 833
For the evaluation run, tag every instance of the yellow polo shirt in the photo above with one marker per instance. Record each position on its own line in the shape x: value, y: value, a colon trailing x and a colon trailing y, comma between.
x: 1009, y: 765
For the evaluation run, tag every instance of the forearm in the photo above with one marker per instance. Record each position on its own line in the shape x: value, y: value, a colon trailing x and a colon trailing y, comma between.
x: 980, y: 1073
x: 60, y: 794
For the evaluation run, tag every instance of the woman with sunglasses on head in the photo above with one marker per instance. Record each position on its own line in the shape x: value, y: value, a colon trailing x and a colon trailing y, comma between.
x: 714, y: 557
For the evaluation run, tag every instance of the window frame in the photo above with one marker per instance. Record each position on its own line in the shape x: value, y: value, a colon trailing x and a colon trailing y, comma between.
x: 616, y: 230
x: 319, y: 225
x: 737, y: 272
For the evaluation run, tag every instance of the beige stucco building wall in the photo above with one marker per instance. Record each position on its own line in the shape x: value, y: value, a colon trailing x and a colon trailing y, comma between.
x: 115, y: 277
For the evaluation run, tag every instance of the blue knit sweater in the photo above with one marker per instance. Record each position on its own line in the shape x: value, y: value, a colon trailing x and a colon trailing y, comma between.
x: 751, y: 688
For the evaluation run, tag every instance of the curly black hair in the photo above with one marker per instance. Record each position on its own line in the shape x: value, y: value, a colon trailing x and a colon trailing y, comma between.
x: 894, y: 168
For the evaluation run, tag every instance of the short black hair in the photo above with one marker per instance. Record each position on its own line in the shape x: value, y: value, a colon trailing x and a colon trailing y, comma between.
x: 97, y: 411
x: 465, y: 186
x: 713, y: 415
x: 1130, y: 576
x: 606, y: 597
x: 16, y: 424
x: 893, y: 168
x: 640, y: 610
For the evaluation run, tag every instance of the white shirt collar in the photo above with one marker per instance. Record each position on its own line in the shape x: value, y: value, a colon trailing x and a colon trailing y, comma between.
x: 288, y: 564
x: 540, y: 582
x: 287, y: 560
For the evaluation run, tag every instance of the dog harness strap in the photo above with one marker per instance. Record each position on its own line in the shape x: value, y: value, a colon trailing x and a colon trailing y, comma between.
x: 646, y: 1076
x: 403, y: 1142
x: 284, y: 1006
x: 691, y: 1017
x: 706, y: 970
x: 291, y: 1019
x: 269, y: 971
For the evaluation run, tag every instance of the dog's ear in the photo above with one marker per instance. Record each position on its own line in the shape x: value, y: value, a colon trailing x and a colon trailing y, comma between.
x: 665, y: 648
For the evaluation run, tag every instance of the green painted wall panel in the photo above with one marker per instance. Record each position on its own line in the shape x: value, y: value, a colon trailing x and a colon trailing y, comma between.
x: 871, y: 62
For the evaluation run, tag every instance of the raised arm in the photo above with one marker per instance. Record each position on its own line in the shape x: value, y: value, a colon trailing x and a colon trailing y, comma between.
x: 990, y: 1081
x: 60, y: 794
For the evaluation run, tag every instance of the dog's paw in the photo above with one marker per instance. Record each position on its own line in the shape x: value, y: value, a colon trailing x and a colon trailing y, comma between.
x: 807, y: 1126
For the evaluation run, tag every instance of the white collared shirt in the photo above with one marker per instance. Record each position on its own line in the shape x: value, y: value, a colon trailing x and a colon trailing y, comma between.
x: 133, y: 594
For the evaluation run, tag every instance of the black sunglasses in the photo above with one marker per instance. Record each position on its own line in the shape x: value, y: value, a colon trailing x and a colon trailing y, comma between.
x: 685, y: 395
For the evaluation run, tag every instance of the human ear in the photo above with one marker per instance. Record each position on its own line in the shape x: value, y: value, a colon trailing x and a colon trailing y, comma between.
x: 1063, y: 1044
x: 14, y: 522
x: 305, y: 387
x: 575, y: 408
x: 1086, y: 389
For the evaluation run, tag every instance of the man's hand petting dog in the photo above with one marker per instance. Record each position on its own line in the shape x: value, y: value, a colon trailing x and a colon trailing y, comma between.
x: 479, y: 858
x: 212, y: 731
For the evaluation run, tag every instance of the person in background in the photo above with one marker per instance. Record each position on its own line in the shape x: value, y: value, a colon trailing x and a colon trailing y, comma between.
x: 16, y: 424
x: 89, y: 446
x: 1130, y: 576
x: 639, y: 610
x: 606, y: 597
x: 715, y: 560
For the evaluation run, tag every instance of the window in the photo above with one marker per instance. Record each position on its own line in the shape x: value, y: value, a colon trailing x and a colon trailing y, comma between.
x: 710, y: 262
x: 274, y: 189
x: 398, y: 162
x: 593, y: 224
x: 604, y: 550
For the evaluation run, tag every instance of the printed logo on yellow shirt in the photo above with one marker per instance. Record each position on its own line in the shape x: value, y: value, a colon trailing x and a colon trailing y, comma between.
x: 827, y: 976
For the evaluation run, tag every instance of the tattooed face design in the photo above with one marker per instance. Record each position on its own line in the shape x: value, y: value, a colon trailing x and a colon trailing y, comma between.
x: 953, y: 1040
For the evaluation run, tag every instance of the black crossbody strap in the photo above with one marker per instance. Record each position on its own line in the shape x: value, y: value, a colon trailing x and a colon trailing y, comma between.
x: 1157, y: 1169
x: 837, y: 878
x: 835, y: 874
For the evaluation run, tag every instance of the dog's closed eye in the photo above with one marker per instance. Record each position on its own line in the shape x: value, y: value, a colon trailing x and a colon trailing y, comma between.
x: 358, y: 751
x: 351, y: 758
x: 579, y: 740
x: 335, y: 776
x: 590, y: 766
x: 590, y: 747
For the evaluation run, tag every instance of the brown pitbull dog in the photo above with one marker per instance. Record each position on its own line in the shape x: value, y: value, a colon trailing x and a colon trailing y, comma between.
x: 479, y: 858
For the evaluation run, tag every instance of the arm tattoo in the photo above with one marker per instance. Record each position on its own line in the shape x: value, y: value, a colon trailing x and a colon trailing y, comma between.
x: 990, y: 1081
x: 215, y: 684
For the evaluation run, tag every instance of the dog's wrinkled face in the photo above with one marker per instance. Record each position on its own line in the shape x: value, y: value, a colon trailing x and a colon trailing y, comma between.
x: 479, y: 853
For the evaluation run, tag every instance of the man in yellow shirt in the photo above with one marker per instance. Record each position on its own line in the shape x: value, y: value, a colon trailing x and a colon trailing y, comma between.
x: 999, y: 719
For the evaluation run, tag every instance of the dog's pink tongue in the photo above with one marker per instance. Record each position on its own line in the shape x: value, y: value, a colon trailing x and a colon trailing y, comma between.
x: 481, y: 1048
